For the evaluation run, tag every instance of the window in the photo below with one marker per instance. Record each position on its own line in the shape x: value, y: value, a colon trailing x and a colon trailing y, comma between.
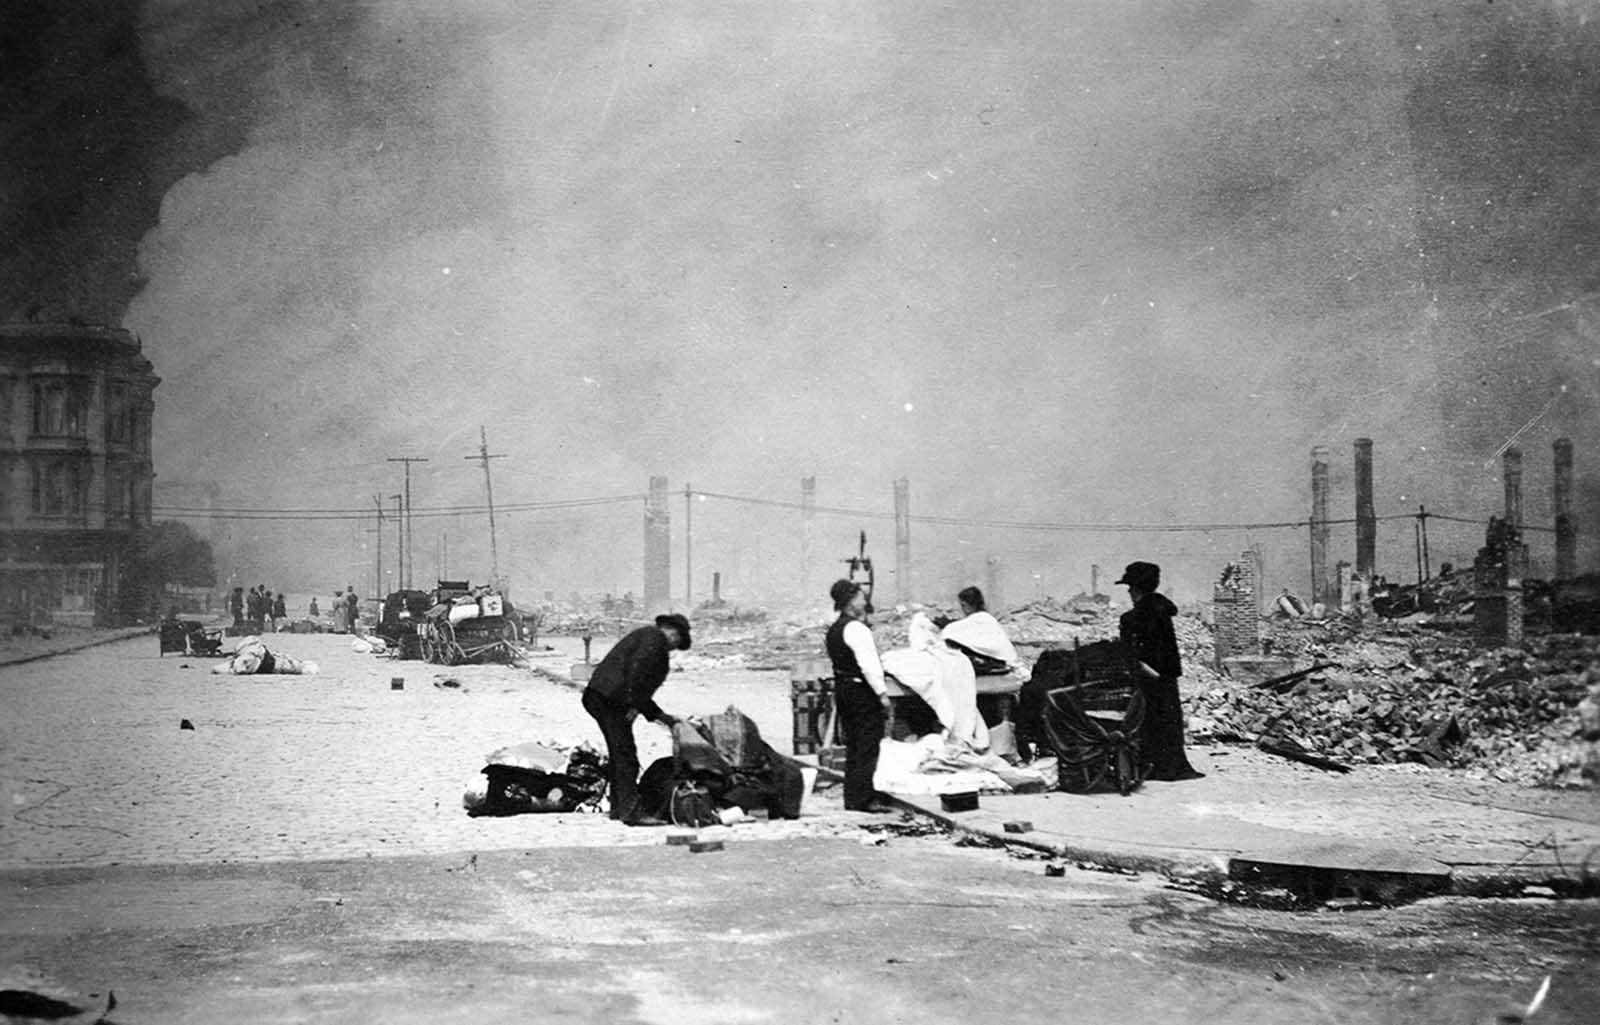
x: 118, y: 495
x: 119, y: 415
x: 60, y: 407
x: 58, y: 488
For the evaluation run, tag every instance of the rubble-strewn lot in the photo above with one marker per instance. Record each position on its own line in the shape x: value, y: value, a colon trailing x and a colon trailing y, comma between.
x: 1427, y: 697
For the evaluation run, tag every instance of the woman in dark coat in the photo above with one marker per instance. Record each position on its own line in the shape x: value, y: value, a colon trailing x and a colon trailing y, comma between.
x: 1147, y: 628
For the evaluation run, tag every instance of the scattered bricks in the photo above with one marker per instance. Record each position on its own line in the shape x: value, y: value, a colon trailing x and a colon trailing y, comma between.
x: 1019, y: 826
x: 185, y: 725
x: 682, y: 839
x: 959, y: 802
x: 397, y: 683
x: 705, y: 846
x: 1055, y: 868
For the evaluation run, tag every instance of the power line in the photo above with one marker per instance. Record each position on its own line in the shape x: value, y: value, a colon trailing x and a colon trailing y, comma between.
x: 314, y: 514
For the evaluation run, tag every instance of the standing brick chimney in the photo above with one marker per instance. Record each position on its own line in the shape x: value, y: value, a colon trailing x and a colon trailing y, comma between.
x: 1511, y: 471
x: 1366, y: 518
x: 1566, y: 526
x: 1319, y: 524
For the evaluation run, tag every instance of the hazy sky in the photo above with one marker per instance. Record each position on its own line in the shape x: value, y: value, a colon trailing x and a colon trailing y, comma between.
x: 1097, y: 261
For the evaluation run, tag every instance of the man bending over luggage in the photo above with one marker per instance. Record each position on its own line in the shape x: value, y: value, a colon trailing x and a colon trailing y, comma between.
x: 622, y: 687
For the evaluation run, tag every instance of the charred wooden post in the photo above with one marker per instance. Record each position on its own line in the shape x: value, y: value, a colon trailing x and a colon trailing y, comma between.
x: 1566, y: 526
x: 808, y: 515
x: 994, y: 585
x: 902, y: 541
x: 1366, y: 517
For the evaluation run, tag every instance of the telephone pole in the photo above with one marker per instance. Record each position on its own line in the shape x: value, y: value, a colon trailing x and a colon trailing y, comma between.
x: 688, y: 548
x: 406, y: 563
x: 488, y: 489
x: 377, y: 500
x: 400, y: 541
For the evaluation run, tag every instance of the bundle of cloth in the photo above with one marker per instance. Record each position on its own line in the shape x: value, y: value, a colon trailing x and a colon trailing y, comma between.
x: 944, y: 678
x: 983, y: 640
x: 535, y: 777
x: 933, y: 765
x: 251, y: 656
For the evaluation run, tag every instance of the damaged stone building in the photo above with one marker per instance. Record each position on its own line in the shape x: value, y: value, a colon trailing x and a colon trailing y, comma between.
x: 76, y: 403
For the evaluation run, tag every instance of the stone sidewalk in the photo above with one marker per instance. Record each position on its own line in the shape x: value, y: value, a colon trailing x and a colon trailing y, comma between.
x: 1254, y: 809
x: 21, y: 650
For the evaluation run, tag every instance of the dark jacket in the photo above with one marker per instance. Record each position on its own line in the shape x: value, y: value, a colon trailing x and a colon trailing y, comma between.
x: 633, y: 671
x: 1147, y: 627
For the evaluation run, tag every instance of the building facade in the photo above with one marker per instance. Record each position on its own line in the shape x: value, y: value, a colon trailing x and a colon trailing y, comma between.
x: 76, y: 404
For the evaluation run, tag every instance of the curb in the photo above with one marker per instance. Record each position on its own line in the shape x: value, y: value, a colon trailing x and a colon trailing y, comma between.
x: 1576, y: 882
x: 131, y: 632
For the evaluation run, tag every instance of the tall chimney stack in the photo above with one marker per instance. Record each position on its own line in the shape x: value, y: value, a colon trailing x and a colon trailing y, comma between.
x: 1566, y: 526
x: 1366, y: 517
x: 1319, y: 524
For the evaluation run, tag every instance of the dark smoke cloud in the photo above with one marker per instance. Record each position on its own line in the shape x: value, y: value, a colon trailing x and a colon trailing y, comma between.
x: 1089, y: 262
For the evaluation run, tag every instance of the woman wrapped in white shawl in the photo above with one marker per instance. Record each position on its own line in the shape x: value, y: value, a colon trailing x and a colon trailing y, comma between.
x: 979, y: 636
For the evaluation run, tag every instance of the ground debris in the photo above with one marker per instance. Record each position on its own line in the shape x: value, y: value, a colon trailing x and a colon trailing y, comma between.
x: 1513, y: 713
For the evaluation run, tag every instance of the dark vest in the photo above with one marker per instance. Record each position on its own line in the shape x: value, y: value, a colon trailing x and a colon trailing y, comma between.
x: 845, y: 666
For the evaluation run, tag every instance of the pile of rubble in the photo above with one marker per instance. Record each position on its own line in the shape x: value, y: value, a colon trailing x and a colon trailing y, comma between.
x: 1511, y: 713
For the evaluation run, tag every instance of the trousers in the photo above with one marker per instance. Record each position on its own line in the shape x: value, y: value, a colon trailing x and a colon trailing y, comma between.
x: 616, y: 726
x: 862, y: 718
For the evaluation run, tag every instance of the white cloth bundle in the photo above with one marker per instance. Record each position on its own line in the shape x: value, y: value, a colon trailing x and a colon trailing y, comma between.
x: 943, y: 678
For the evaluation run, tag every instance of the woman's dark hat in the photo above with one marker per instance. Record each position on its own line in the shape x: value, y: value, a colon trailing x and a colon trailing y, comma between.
x: 676, y: 621
x: 1146, y: 576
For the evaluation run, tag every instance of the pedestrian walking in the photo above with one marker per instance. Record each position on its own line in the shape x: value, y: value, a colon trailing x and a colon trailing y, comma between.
x: 280, y: 612
x: 1147, y: 628
x: 860, y: 694
x: 621, y: 688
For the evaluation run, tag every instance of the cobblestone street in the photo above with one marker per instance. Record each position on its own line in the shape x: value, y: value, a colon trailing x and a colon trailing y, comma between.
x: 95, y: 769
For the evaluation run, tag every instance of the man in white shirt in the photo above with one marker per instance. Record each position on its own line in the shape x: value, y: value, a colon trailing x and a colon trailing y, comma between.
x: 859, y: 694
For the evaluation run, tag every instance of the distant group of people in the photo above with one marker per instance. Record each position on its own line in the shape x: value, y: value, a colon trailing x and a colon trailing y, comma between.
x: 259, y: 611
x: 345, y: 610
